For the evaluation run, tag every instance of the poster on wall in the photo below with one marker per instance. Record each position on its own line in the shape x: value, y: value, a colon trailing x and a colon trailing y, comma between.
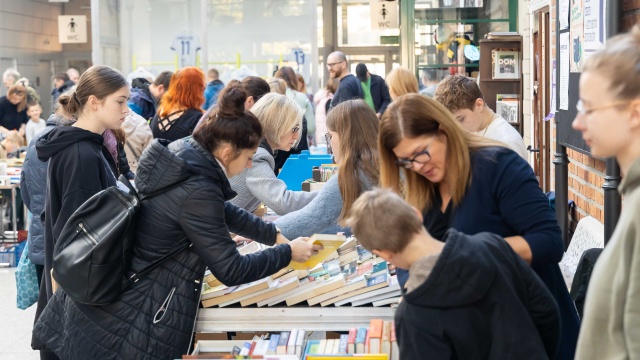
x: 564, y: 70
x: 563, y: 6
x: 594, y: 33
x: 384, y: 14
x: 577, y: 35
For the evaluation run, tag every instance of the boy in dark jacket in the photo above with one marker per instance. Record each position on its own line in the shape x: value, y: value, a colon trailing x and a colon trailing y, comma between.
x: 471, y: 297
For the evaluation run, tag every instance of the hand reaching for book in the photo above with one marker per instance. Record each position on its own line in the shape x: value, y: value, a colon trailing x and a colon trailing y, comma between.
x: 302, y: 250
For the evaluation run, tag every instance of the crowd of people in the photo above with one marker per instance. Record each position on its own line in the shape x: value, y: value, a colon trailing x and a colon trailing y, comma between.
x: 433, y: 181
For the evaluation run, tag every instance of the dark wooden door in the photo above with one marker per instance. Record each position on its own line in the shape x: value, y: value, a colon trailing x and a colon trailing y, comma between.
x: 541, y: 139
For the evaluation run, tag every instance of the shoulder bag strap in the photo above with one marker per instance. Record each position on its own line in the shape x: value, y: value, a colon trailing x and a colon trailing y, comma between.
x: 137, y: 276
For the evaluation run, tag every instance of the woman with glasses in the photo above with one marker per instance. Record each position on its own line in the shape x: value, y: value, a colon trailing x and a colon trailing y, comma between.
x: 609, y: 119
x: 281, y: 120
x: 474, y: 185
x: 352, y: 134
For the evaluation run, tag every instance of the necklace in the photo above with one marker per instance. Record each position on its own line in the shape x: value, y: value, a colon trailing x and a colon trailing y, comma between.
x: 491, y: 118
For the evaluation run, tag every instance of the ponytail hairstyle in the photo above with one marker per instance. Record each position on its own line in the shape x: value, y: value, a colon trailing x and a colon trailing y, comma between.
x: 99, y: 81
x: 287, y: 74
x: 230, y: 123
x: 256, y: 87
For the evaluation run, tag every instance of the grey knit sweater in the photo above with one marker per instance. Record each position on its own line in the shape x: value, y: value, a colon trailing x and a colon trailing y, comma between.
x: 320, y: 216
x: 260, y: 184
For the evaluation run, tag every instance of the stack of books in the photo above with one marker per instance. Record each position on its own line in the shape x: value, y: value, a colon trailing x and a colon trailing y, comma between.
x: 350, y: 275
x: 379, y: 338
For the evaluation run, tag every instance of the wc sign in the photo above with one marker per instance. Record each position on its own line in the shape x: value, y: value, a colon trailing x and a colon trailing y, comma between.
x: 384, y: 14
x: 72, y: 29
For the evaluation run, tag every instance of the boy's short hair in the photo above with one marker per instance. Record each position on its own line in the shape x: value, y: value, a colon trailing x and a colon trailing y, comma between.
x: 29, y: 105
x: 458, y: 92
x: 61, y: 76
x: 381, y: 220
x: 213, y: 73
x: 164, y: 79
x: 15, y: 138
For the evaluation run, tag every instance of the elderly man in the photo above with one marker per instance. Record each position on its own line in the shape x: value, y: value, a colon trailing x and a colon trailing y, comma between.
x: 349, y: 86
x: 10, y: 77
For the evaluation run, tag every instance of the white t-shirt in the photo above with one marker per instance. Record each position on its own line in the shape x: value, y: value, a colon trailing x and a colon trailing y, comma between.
x: 34, y: 128
x: 501, y: 130
x: 186, y: 46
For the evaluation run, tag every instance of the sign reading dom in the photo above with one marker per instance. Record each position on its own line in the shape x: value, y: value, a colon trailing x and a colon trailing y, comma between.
x: 72, y: 29
x: 384, y: 14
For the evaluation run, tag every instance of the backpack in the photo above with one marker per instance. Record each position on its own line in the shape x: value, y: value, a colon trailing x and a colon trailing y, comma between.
x: 580, y: 284
x: 91, y: 257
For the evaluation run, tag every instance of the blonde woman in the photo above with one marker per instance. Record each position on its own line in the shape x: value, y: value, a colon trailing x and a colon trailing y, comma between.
x: 281, y: 120
x: 352, y: 134
x: 609, y: 119
x: 277, y: 85
x: 401, y: 81
x: 472, y: 184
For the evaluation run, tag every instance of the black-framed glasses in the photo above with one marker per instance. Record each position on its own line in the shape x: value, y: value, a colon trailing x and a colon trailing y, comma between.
x: 295, y: 129
x: 331, y: 65
x: 327, y: 137
x: 422, y: 157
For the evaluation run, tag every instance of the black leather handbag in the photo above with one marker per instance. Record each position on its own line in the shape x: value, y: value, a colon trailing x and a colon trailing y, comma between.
x: 93, y: 251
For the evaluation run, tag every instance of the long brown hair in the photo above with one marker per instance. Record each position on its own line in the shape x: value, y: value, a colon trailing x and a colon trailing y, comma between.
x: 411, y: 116
x: 357, y: 127
x: 19, y: 90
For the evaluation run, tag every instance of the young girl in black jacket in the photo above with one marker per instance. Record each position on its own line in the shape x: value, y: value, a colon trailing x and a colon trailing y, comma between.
x: 77, y: 167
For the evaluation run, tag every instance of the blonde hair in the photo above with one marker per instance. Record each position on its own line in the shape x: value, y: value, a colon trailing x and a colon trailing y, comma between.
x: 278, y: 115
x: 401, y: 81
x: 381, y: 220
x: 19, y: 90
x: 15, y: 138
x: 277, y: 85
x: 619, y: 61
x: 411, y: 116
x: 357, y: 126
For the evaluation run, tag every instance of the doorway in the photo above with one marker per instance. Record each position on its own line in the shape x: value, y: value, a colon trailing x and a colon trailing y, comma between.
x: 541, y: 139
x: 378, y: 62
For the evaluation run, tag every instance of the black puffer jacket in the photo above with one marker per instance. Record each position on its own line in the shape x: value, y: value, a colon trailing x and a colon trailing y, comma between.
x: 135, y: 327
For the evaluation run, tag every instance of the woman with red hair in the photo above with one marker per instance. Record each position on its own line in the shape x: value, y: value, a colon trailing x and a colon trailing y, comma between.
x: 180, y: 107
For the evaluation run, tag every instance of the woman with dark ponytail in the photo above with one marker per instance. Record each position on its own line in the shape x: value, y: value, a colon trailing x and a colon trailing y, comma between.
x: 154, y: 317
x: 77, y: 168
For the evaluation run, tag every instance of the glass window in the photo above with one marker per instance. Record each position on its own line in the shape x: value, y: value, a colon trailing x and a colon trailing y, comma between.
x: 447, y: 33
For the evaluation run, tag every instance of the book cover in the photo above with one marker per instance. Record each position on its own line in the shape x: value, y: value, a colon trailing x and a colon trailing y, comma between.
x: 211, y: 292
x: 395, y: 351
x: 322, y: 288
x: 351, y: 294
x: 246, y: 348
x: 336, y: 347
x: 278, y: 287
x: 300, y: 341
x: 241, y: 291
x: 385, y: 289
x: 282, y: 343
x: 261, y: 347
x: 351, y: 341
x: 354, y: 284
x: 330, y: 244
x: 329, y: 348
x: 361, y: 337
x: 375, y: 335
x: 305, y: 284
x: 322, y: 347
x: 506, y: 64
x: 363, y: 254
x: 312, y: 347
x: 273, y: 344
x: 386, y: 338
x: 508, y: 110
x: 344, y: 341
x: 291, y: 345
x: 388, y: 295
x: 389, y: 301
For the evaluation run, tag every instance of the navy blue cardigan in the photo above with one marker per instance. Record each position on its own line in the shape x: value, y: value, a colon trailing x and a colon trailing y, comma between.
x: 504, y: 198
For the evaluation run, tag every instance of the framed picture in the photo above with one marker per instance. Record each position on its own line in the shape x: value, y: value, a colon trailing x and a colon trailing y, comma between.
x: 506, y: 64
x: 507, y: 107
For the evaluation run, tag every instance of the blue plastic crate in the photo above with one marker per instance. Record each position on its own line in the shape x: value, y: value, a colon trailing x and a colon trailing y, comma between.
x: 10, y: 254
x: 298, y: 168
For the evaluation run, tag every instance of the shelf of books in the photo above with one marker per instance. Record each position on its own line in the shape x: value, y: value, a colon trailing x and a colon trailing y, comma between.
x: 375, y: 340
x: 343, y: 287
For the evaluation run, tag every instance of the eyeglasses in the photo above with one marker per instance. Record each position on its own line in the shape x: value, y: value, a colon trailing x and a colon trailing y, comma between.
x: 585, y: 112
x: 422, y: 157
x: 295, y: 129
x: 327, y: 137
x: 331, y: 65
